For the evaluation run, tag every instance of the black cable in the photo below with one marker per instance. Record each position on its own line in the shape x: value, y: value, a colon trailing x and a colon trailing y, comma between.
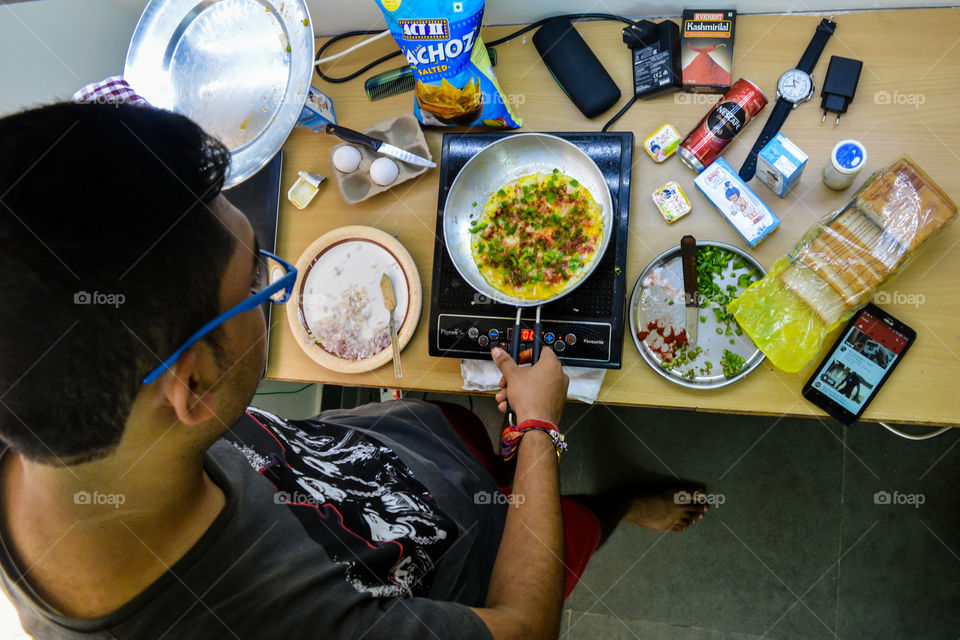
x: 619, y: 113
x: 574, y: 17
x: 284, y: 393
x: 350, y: 34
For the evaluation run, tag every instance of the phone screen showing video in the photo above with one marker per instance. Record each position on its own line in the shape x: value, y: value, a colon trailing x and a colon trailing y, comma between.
x: 863, y: 357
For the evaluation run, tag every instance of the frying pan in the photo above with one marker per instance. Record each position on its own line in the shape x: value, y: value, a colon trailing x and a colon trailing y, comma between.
x: 501, y: 163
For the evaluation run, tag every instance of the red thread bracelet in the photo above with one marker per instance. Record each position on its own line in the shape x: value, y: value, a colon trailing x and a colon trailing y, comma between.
x: 511, y: 436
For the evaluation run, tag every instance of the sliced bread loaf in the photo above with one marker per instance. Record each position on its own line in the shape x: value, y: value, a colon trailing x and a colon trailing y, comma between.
x: 816, y: 293
x: 907, y: 204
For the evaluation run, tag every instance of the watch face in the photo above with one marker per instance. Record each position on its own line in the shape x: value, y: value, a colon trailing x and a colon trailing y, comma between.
x: 795, y: 86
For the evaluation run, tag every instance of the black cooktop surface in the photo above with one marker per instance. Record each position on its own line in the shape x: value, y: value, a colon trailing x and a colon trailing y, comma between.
x: 585, y: 326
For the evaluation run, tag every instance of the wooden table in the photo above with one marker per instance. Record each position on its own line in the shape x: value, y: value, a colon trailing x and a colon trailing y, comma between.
x: 906, y: 102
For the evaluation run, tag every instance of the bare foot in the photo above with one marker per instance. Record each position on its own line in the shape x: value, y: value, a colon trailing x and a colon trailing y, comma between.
x: 667, y: 508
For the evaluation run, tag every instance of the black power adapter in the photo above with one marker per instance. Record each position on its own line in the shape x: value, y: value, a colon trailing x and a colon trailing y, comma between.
x: 656, y: 56
x: 840, y: 85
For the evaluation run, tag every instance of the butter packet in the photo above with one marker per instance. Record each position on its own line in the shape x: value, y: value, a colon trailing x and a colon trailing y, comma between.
x: 662, y: 143
x: 672, y: 202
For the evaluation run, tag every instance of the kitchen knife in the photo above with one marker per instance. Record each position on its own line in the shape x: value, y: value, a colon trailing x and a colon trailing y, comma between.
x: 390, y: 302
x: 349, y: 135
x: 688, y: 259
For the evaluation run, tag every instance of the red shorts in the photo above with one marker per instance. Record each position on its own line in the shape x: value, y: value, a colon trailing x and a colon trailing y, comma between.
x: 581, y: 528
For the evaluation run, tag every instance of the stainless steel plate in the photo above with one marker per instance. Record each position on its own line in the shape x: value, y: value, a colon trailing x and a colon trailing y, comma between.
x: 241, y: 69
x: 498, y: 164
x: 655, y: 305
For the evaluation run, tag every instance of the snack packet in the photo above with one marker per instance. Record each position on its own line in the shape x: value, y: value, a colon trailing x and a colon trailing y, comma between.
x: 455, y: 82
x: 835, y: 268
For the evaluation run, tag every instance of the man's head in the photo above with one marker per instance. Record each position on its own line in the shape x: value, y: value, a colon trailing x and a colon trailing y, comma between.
x: 115, y: 247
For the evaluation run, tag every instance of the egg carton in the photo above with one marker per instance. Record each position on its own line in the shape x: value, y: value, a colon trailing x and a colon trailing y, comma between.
x: 403, y: 132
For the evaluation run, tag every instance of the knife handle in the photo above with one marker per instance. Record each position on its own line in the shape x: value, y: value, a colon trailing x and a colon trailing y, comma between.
x: 688, y: 260
x: 349, y: 135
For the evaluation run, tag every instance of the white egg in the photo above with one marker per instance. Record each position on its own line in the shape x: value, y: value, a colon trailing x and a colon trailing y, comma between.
x: 384, y: 171
x: 346, y: 159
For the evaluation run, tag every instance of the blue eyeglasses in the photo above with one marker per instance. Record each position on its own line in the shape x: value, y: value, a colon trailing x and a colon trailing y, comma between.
x: 278, y: 292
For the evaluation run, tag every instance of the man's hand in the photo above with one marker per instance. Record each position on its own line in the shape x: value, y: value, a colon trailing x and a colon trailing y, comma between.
x: 538, y: 392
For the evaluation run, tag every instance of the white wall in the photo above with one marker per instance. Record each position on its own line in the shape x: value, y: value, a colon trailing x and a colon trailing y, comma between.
x: 331, y: 16
x: 364, y: 14
x: 50, y: 48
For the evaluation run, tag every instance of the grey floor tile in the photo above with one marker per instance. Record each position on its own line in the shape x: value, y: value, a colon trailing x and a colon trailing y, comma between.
x: 590, y: 626
x: 774, y: 539
x: 898, y: 575
x: 565, y: 625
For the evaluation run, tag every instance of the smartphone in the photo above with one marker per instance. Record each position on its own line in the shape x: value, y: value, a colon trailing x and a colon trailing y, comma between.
x: 849, y: 377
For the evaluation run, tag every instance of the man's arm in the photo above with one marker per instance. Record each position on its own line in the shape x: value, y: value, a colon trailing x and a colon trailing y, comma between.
x: 525, y: 594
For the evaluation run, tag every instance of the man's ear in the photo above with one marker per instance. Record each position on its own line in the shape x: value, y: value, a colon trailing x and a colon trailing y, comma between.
x: 185, y: 391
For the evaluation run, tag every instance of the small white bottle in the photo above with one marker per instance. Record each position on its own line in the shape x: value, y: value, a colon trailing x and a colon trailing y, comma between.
x: 846, y: 161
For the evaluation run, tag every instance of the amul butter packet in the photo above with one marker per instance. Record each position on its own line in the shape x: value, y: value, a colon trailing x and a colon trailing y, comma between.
x: 662, y: 143
x: 671, y: 201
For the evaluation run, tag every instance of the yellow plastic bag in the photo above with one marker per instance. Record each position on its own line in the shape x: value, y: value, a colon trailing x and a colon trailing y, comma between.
x: 834, y: 269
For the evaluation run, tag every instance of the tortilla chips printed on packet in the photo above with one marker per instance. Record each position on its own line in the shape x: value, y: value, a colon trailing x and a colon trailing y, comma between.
x: 455, y: 83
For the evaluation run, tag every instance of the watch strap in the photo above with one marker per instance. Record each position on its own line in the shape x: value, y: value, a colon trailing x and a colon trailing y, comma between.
x: 778, y: 116
x: 809, y: 59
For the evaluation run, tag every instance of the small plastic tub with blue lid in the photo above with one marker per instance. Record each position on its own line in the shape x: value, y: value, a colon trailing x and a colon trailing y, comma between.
x: 846, y: 161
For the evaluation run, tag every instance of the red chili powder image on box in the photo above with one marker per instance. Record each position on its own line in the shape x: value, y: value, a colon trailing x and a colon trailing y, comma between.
x: 706, y: 49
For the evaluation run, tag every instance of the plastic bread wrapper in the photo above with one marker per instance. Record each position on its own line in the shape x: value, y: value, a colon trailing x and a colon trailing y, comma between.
x: 838, y: 264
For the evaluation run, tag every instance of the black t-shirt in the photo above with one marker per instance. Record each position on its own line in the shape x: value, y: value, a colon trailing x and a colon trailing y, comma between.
x: 360, y: 523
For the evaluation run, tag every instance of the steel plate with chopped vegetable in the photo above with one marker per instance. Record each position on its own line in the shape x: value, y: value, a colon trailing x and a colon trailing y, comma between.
x: 536, y: 236
x: 723, y: 353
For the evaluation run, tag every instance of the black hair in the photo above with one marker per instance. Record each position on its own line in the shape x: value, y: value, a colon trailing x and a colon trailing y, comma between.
x: 110, y: 258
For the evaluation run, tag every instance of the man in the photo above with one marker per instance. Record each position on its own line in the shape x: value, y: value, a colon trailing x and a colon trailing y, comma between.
x: 850, y: 387
x: 139, y: 498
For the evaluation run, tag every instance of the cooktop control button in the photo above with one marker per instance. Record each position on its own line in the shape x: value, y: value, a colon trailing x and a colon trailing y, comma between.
x: 483, y: 341
x: 559, y: 346
x: 549, y: 337
x: 510, y: 333
x: 472, y: 333
x: 571, y: 339
x: 494, y: 334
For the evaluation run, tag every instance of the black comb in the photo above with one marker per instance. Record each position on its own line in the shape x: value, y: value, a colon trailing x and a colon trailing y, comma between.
x: 400, y: 80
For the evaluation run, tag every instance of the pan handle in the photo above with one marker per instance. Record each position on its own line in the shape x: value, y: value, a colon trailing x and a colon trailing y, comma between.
x: 515, y: 353
x: 537, y: 328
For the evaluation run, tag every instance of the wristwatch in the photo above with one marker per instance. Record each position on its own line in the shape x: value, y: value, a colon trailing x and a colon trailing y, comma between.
x: 793, y: 87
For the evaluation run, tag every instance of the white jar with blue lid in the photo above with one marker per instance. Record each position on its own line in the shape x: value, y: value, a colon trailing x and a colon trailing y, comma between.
x: 846, y: 161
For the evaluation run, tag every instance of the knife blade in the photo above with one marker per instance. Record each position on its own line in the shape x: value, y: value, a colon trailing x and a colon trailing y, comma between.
x: 688, y: 260
x: 390, y: 303
x: 349, y: 135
